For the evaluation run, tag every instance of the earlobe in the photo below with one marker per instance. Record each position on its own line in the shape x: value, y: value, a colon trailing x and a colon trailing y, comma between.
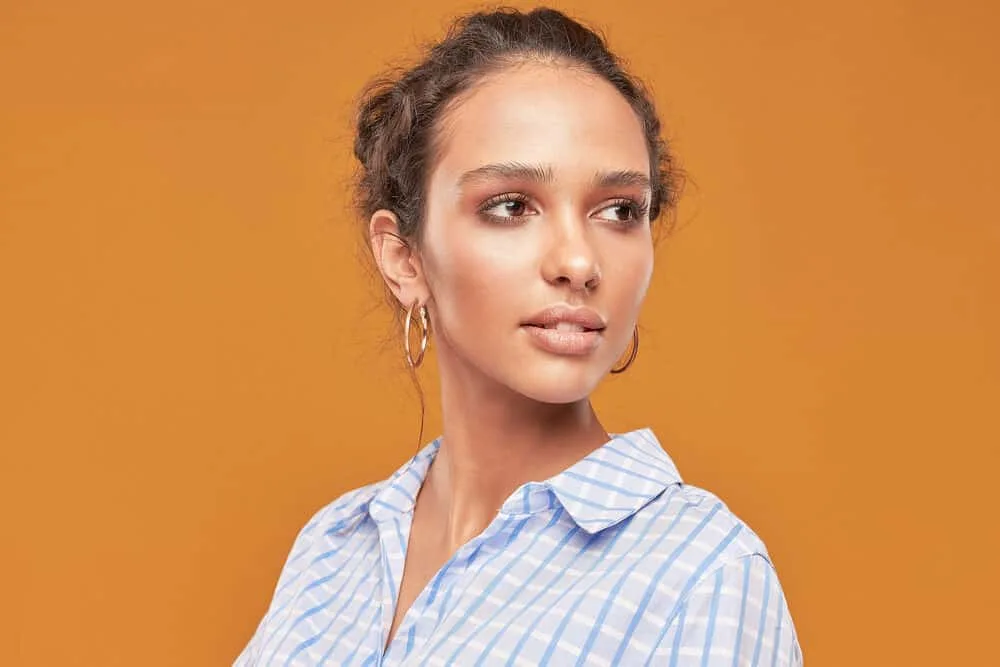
x: 394, y: 256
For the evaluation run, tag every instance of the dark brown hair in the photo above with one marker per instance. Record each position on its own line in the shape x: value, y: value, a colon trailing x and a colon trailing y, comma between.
x: 399, y: 113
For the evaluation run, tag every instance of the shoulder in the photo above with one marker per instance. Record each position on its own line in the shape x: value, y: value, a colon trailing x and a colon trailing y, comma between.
x: 342, y: 516
x: 696, y: 516
x: 712, y: 570
x: 337, y: 518
x: 685, y: 535
x: 342, y: 513
x: 728, y: 584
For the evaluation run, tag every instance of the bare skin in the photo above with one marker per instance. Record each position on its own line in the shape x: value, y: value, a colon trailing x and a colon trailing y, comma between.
x: 513, y: 412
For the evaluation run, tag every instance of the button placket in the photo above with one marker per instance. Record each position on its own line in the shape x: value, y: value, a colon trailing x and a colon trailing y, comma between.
x: 425, y: 610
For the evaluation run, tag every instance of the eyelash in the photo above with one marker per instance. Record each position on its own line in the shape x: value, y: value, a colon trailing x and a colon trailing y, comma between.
x: 638, y: 209
x: 501, y: 199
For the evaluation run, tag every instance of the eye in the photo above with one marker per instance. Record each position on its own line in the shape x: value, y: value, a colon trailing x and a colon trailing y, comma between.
x: 505, y: 207
x: 625, y: 211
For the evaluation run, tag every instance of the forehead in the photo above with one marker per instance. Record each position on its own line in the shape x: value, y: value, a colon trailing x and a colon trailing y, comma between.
x: 544, y: 114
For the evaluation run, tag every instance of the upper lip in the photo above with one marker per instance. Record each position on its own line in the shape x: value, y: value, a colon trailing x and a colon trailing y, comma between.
x: 583, y: 316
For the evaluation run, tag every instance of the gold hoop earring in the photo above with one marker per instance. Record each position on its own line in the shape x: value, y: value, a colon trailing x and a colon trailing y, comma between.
x: 632, y: 353
x: 424, y: 332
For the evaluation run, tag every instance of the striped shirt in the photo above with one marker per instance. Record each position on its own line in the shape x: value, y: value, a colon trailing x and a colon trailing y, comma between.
x: 613, y: 561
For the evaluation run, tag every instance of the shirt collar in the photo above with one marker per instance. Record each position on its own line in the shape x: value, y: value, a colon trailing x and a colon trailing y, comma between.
x: 605, y: 487
x: 616, y: 480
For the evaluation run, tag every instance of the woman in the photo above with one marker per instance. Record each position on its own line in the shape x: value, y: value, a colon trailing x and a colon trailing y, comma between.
x: 509, y: 185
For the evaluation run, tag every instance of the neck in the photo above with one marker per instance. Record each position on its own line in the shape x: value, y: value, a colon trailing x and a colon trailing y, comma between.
x: 493, y: 441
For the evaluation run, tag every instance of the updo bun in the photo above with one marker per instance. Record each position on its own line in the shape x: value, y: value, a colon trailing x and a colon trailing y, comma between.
x: 398, y: 113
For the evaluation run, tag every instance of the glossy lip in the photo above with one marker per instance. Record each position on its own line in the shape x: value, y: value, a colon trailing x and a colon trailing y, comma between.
x: 582, y: 316
x: 572, y: 343
x: 569, y: 343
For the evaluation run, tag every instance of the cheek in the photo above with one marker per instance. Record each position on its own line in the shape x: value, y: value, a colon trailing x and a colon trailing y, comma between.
x: 644, y: 272
x: 476, y: 282
x: 628, y: 274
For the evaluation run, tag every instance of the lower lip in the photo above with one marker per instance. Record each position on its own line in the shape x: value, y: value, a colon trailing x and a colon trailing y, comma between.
x: 573, y: 343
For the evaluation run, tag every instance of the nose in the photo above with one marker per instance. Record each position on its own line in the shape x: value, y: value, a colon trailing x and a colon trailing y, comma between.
x: 571, y: 258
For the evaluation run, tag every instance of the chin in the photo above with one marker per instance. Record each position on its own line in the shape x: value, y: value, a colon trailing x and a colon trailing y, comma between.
x: 558, y: 385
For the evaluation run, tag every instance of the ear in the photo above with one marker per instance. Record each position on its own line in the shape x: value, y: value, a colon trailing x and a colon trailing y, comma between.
x: 398, y: 263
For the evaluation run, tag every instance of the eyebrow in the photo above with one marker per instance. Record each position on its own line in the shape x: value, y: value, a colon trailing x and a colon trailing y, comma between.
x: 544, y: 174
x: 509, y: 170
x: 621, y: 178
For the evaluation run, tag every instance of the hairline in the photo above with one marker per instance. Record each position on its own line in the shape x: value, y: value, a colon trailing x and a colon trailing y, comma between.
x: 439, y: 129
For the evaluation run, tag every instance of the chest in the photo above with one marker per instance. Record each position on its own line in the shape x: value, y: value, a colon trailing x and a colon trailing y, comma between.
x: 425, y: 556
x: 533, y: 591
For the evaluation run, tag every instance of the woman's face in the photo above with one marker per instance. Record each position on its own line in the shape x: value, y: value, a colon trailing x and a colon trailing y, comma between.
x: 538, y: 198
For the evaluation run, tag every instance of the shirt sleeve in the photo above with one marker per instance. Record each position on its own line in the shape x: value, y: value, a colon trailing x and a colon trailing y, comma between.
x: 250, y: 655
x: 736, y: 616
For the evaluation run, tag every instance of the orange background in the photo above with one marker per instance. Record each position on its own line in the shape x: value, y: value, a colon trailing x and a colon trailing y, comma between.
x: 192, y: 360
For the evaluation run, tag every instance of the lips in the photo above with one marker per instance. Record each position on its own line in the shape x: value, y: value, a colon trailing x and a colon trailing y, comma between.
x: 562, y: 326
x: 562, y: 317
x: 564, y: 330
x: 564, y: 343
